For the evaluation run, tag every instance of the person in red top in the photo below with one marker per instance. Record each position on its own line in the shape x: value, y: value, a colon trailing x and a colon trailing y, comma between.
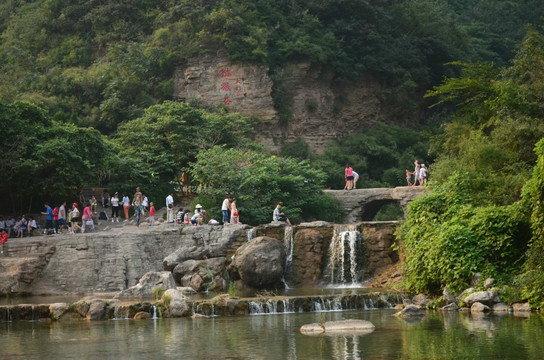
x: 56, y: 219
x: 151, y: 218
x: 87, y: 216
x: 3, y: 239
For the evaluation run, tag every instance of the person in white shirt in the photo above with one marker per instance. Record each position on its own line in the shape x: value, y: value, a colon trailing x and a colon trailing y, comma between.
x: 170, y: 208
x: 145, y: 202
x: 126, y: 205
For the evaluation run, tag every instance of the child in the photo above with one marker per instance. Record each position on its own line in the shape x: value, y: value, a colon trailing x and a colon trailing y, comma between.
x: 408, y: 177
x: 3, y: 239
x: 151, y: 218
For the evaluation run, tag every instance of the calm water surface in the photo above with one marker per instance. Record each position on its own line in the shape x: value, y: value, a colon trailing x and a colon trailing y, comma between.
x: 436, y: 336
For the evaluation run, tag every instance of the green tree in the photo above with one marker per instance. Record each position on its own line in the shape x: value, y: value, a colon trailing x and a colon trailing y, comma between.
x: 532, y: 279
x: 44, y: 159
x: 163, y: 141
x: 259, y: 182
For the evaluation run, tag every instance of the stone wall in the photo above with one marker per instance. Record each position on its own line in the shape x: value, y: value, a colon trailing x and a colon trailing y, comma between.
x: 322, y: 109
x: 116, y: 260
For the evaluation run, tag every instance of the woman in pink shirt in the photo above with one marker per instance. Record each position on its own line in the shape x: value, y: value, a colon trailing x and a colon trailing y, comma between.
x: 349, y: 176
x: 87, y: 216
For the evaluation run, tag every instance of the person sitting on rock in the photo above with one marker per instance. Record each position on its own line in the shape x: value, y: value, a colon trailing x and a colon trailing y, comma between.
x: 279, y: 215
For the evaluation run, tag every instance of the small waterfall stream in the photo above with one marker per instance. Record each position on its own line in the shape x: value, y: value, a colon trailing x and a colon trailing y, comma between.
x: 250, y: 234
x: 346, y: 256
x: 288, y: 243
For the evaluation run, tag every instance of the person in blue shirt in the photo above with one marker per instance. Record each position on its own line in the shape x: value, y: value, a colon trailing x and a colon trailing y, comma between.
x: 48, y: 219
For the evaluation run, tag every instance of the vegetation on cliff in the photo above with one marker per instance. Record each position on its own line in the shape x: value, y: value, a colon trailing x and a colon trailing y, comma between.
x: 478, y: 216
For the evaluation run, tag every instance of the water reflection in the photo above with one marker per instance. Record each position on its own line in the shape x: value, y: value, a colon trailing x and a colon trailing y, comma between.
x: 435, y: 336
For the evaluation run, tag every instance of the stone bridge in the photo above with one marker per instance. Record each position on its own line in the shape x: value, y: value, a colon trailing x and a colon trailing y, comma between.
x: 364, y: 204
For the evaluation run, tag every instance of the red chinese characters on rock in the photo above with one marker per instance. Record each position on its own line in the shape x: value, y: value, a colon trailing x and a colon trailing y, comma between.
x: 227, y: 101
x: 225, y: 73
x: 239, y: 88
x: 225, y: 87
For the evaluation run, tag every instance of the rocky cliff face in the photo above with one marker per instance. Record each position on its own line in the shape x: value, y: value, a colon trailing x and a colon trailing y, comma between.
x: 321, y: 109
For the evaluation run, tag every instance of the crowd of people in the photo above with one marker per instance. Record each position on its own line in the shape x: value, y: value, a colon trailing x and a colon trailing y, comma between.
x: 70, y: 219
x: 419, y: 173
x: 419, y: 176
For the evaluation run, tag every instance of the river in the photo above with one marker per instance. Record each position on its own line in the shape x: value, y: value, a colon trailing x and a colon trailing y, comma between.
x: 435, y: 336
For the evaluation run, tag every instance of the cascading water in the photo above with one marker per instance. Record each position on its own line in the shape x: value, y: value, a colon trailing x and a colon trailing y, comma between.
x: 346, y: 251
x: 250, y: 234
x: 288, y: 242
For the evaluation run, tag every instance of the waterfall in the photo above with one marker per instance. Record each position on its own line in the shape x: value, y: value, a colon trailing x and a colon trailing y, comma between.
x: 155, y: 317
x: 346, y: 252
x: 250, y: 234
x: 288, y: 243
x: 255, y: 308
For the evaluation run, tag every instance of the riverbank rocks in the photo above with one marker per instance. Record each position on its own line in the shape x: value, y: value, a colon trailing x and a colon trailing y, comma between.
x: 448, y: 296
x: 521, y: 307
x: 56, y: 310
x: 421, y: 301
x: 410, y: 311
x: 97, y: 310
x: 350, y: 326
x: 150, y: 281
x: 500, y: 307
x: 142, y: 315
x: 478, y: 307
x: 488, y: 298
x: 259, y: 263
x: 202, y: 275
x: 450, y: 307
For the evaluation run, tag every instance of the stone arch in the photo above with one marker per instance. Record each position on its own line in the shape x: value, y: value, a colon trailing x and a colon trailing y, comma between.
x: 370, y: 209
x: 360, y: 204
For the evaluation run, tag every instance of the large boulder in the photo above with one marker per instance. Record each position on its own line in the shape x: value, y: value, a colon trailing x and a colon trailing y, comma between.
x: 202, y: 274
x: 488, y: 298
x: 97, y: 310
x: 174, y: 300
x: 150, y: 281
x: 259, y: 263
x: 204, y: 242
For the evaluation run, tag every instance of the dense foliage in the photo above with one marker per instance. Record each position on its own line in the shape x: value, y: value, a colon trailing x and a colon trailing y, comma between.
x: 43, y: 159
x: 448, y: 237
x: 478, y: 221
x: 101, y: 63
x: 532, y: 279
x: 259, y: 182
x: 163, y: 141
x: 500, y: 119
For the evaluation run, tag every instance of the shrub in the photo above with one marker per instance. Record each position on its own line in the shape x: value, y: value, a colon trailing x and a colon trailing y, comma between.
x: 447, y: 238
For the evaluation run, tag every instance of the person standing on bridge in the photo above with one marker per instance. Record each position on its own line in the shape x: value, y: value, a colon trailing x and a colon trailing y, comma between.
x: 349, y: 176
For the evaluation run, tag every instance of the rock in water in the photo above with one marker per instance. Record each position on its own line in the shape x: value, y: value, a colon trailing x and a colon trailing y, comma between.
x: 478, y: 307
x: 350, y: 326
x: 410, y: 311
x: 312, y: 329
x: 259, y: 263
x: 148, y: 283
